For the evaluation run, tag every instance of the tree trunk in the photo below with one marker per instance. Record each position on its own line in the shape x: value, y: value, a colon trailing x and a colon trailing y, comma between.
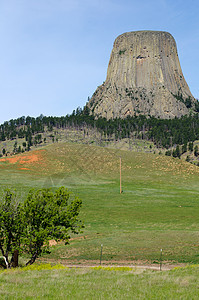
x: 32, y: 260
x: 5, y: 257
x: 6, y: 261
x: 15, y: 259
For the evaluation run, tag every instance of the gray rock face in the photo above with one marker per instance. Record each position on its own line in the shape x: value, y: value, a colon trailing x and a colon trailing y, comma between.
x: 144, y: 77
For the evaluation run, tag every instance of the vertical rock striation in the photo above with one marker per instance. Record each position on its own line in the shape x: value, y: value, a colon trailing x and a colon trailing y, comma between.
x: 144, y: 77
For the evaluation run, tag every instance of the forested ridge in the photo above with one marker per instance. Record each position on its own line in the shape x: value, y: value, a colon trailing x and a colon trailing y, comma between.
x: 163, y: 132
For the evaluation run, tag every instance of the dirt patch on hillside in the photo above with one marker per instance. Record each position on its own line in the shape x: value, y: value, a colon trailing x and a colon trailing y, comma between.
x: 25, y: 161
x: 53, y: 242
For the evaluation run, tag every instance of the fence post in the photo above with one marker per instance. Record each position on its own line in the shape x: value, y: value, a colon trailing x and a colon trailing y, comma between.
x: 101, y: 254
x: 161, y: 260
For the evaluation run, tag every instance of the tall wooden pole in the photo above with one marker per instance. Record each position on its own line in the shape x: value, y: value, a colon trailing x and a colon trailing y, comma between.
x: 120, y: 175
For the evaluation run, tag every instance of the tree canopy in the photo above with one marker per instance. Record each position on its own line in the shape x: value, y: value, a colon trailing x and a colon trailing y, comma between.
x: 27, y: 227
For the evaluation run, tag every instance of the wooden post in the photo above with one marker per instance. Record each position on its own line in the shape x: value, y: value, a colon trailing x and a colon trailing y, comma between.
x: 101, y: 254
x: 161, y: 260
x: 120, y: 175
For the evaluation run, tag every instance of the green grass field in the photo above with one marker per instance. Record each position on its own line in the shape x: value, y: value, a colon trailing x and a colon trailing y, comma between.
x: 158, y: 208
x: 105, y: 283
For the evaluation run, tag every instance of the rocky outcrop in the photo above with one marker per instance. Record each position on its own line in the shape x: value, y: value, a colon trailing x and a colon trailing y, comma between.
x: 144, y: 77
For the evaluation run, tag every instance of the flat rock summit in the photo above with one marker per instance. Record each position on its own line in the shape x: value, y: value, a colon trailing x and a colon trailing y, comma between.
x: 144, y: 77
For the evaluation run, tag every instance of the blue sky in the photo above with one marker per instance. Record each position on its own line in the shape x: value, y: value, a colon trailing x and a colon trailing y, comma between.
x: 54, y: 53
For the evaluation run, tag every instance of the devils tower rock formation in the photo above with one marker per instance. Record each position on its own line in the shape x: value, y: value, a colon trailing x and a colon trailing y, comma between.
x: 144, y: 77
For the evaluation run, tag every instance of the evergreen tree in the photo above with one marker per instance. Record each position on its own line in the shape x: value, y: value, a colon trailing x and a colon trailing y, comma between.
x: 196, y: 151
x: 178, y: 152
x: 190, y: 146
x: 15, y: 147
x: 184, y: 148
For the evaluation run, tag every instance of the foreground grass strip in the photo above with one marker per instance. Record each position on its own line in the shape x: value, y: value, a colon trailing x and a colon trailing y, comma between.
x: 110, y: 268
x: 92, y: 283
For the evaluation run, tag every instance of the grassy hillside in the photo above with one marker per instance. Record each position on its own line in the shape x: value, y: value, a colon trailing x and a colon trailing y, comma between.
x: 158, y: 208
x: 84, y: 135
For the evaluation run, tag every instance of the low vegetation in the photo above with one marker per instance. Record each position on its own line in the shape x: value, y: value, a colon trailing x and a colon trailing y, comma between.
x: 105, y: 283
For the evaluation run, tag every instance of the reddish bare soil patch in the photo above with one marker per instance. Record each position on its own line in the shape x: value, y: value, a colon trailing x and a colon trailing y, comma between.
x: 29, y: 159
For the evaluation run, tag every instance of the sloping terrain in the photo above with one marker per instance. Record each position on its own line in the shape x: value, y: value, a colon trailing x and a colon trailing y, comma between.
x: 158, y: 208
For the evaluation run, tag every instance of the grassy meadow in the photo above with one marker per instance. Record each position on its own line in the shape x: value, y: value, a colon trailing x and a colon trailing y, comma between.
x: 99, y: 283
x: 158, y: 208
